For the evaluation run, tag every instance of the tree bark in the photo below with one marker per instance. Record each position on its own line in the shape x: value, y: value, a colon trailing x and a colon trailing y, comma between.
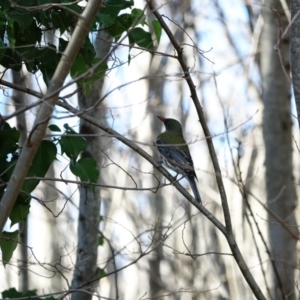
x: 277, y: 126
x: 19, y: 99
x: 86, y: 268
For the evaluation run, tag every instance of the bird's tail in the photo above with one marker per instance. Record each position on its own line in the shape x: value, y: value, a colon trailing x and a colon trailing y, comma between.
x: 194, y: 188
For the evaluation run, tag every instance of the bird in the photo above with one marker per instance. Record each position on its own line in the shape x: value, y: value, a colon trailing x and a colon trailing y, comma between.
x: 175, y: 153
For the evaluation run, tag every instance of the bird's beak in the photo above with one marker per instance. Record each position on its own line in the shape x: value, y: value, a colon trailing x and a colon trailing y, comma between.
x: 162, y: 119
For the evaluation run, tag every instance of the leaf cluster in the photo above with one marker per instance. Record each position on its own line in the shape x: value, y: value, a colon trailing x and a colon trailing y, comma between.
x: 84, y: 168
x: 22, y: 30
x: 12, y: 293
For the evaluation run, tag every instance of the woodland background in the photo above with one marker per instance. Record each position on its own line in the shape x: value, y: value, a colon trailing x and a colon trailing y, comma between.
x: 104, y: 222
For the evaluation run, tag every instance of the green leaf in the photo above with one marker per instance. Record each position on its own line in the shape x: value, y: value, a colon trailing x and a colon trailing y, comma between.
x: 10, y: 33
x: 24, y: 20
x: 11, y: 60
x: 87, y: 84
x: 79, y: 67
x: 44, y: 157
x: 141, y: 38
x: 26, y: 36
x: 72, y: 145
x: 101, y: 272
x: 19, y: 212
x: 100, y: 241
x: 111, y: 10
x: 47, y: 60
x: 62, y: 45
x: 86, y: 169
x: 12, y: 293
x: 138, y: 14
x: 8, y: 244
x: 118, y: 28
x: 9, y: 138
x: 54, y: 128
x: 87, y: 51
x: 2, y: 23
x: 105, y: 19
x: 2, y: 49
x: 157, y: 30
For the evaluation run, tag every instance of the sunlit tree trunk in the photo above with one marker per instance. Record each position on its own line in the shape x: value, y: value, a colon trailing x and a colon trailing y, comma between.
x: 277, y: 126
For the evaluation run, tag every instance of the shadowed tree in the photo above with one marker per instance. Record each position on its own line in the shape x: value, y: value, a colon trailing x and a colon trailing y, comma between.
x: 277, y: 127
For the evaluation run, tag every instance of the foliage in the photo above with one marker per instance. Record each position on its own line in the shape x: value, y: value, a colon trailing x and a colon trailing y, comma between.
x: 22, y: 28
x: 21, y: 32
x: 85, y: 168
x: 8, y: 244
x: 13, y: 294
x: 22, y: 42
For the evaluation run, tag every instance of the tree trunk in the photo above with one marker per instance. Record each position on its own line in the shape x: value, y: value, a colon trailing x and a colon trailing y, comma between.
x: 86, y: 268
x: 277, y: 126
x: 19, y: 99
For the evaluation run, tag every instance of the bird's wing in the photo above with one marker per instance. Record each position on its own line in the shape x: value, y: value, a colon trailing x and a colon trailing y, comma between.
x: 175, y: 156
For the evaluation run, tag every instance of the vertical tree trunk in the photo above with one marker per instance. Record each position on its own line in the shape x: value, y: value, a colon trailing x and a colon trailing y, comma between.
x: 89, y: 210
x: 19, y: 99
x: 277, y: 126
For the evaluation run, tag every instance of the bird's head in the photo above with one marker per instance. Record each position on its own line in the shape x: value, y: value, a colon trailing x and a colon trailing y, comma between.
x: 171, y: 124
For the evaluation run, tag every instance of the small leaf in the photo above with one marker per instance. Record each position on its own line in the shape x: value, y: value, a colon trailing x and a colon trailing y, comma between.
x: 101, y: 241
x: 62, y: 45
x: 86, y: 169
x: 12, y: 293
x: 72, y: 145
x: 23, y: 20
x: 2, y: 49
x: 118, y: 27
x: 101, y: 272
x: 111, y: 10
x: 138, y: 14
x: 11, y: 60
x: 9, y: 138
x: 79, y: 67
x: 8, y: 244
x: 157, y: 30
x: 54, y: 128
x: 44, y: 157
x: 47, y: 60
x: 10, y: 33
x: 19, y: 212
x: 141, y: 38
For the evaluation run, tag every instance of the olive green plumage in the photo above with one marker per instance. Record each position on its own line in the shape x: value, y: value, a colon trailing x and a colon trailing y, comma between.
x: 175, y: 152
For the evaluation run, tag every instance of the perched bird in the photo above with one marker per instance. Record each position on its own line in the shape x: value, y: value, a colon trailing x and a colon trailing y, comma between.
x: 175, y: 152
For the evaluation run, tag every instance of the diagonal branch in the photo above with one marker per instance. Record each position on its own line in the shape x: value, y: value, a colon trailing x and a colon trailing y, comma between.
x: 148, y: 157
x: 229, y: 234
